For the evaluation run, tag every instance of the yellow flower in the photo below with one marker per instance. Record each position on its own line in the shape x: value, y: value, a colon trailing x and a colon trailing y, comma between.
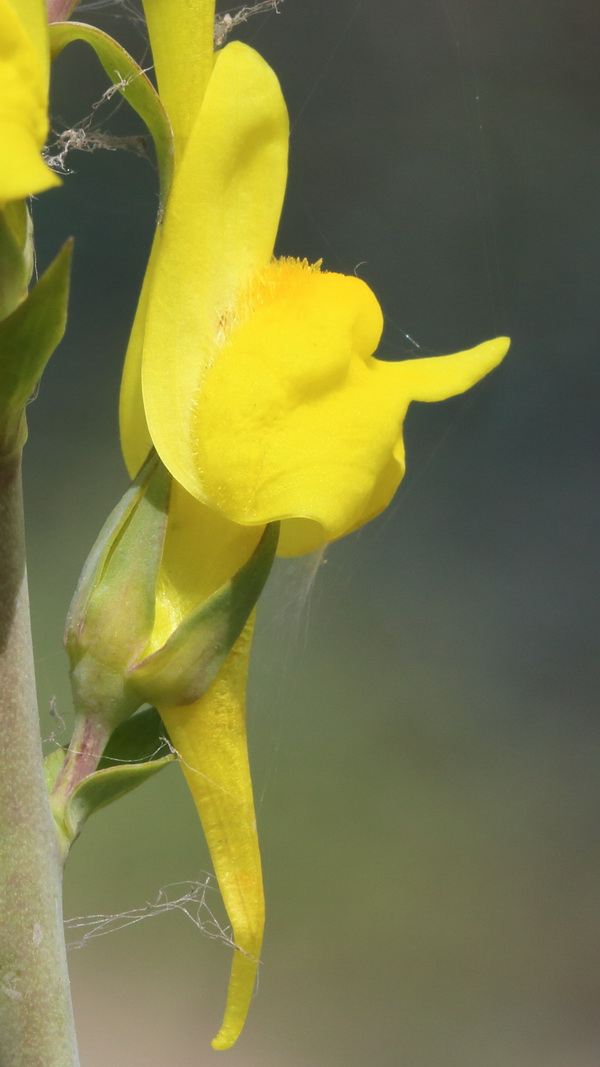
x: 255, y: 381
x: 24, y: 70
x: 259, y: 388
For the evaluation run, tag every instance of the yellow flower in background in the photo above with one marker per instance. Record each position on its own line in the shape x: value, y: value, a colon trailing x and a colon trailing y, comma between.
x: 24, y: 71
x: 255, y: 381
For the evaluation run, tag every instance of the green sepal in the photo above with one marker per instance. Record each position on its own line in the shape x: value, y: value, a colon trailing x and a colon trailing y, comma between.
x: 182, y: 670
x: 95, y: 564
x: 28, y: 338
x: 136, y: 751
x: 120, y: 614
x: 14, y: 265
x: 112, y: 611
x: 132, y: 83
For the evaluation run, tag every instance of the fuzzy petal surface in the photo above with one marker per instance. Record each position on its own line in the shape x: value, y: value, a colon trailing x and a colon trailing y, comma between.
x: 295, y: 420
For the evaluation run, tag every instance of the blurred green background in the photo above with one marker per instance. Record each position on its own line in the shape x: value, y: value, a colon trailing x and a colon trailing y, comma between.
x: 423, y: 705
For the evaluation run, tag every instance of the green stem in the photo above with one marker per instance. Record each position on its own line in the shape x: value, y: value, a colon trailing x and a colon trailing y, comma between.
x: 36, y: 1018
x: 83, y: 756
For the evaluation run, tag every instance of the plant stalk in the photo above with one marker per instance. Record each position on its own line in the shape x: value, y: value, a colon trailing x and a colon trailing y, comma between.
x: 59, y: 10
x: 36, y: 1017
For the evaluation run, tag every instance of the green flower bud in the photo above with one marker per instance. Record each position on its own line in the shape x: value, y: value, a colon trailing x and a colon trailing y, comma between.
x: 109, y: 628
x: 112, y: 612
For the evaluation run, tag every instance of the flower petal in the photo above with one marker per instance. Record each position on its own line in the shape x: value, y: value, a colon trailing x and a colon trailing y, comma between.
x: 181, y: 35
x: 135, y: 439
x: 440, y: 377
x: 33, y: 18
x: 24, y: 60
x: 219, y: 228
x: 295, y: 420
x: 202, y: 550
x: 210, y: 738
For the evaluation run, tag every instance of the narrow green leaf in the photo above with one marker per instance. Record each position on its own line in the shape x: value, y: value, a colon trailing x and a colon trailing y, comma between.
x: 138, y: 749
x: 28, y: 338
x: 123, y: 604
x: 105, y: 786
x: 131, y: 81
x: 182, y: 670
